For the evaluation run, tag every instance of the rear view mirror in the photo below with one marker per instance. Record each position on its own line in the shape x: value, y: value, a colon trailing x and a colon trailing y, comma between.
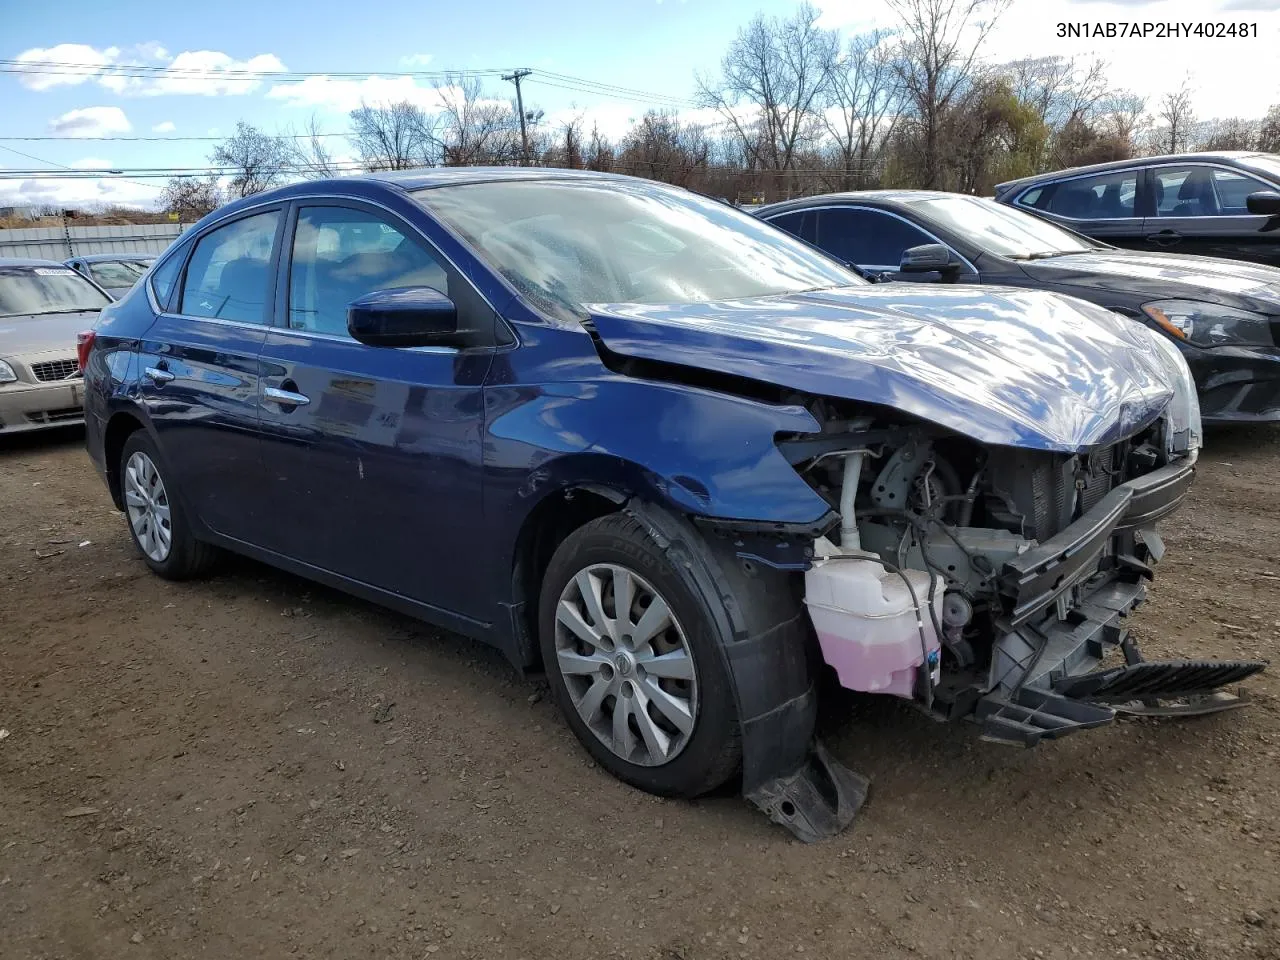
x: 927, y: 258
x: 1265, y: 203
x: 404, y: 317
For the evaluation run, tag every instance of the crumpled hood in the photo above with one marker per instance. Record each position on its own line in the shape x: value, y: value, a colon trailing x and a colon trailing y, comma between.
x: 49, y: 331
x: 1166, y: 276
x: 1003, y: 366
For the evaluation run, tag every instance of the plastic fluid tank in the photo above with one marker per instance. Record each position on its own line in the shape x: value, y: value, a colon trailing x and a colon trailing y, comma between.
x: 866, y: 623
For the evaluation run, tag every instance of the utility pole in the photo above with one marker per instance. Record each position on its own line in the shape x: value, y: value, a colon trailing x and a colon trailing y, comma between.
x: 515, y: 76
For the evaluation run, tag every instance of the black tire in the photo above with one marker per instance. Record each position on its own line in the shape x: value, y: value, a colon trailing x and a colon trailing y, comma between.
x: 187, y: 557
x: 712, y: 752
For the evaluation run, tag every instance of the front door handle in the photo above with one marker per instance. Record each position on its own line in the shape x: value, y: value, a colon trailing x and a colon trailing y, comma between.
x: 1165, y: 237
x: 158, y: 375
x: 286, y: 398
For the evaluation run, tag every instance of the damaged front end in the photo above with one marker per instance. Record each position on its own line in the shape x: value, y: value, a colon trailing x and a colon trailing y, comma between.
x: 993, y: 465
x: 991, y: 582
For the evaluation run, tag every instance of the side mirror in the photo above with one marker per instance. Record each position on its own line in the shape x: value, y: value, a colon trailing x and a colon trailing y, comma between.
x: 927, y: 258
x: 1265, y: 203
x: 404, y: 317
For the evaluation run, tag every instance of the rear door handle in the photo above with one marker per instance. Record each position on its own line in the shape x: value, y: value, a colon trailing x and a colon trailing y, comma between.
x: 1165, y: 236
x: 286, y: 398
x: 158, y: 375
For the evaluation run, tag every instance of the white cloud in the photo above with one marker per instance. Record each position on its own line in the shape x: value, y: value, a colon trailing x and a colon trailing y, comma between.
x: 343, y: 96
x: 192, y: 72
x: 416, y: 60
x: 90, y: 192
x: 76, y: 63
x: 217, y: 74
x: 90, y: 122
x: 166, y: 126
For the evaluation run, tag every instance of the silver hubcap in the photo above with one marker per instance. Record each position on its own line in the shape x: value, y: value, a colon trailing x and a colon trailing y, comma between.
x: 627, y: 664
x: 147, y: 503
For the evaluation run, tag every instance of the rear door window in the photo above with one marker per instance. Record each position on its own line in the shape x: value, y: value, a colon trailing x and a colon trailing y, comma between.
x: 799, y: 224
x: 1106, y: 196
x: 867, y: 238
x: 230, y: 270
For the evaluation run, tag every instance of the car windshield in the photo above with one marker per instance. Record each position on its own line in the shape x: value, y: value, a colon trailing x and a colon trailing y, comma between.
x: 117, y: 273
x: 998, y: 229
x: 1268, y: 163
x: 53, y: 289
x: 564, y: 245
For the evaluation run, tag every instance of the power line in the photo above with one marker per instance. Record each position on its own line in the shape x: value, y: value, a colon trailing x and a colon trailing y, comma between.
x: 149, y: 186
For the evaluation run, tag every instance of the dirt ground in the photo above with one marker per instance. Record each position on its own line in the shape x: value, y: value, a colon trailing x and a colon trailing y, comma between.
x: 256, y: 767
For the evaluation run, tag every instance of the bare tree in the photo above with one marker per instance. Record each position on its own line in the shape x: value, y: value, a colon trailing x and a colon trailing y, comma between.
x: 479, y: 129
x: 1059, y: 89
x: 1123, y: 115
x: 863, y: 96
x: 394, y: 136
x: 936, y: 60
x: 772, y: 83
x: 570, y: 147
x: 307, y: 153
x: 600, y: 153
x: 1179, y: 121
x: 255, y: 160
x: 660, y: 147
x: 1231, y: 133
x: 191, y: 197
x: 1269, y: 131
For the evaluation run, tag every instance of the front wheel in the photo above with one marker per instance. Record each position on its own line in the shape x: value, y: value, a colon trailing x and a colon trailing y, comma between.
x: 157, y: 523
x: 632, y: 660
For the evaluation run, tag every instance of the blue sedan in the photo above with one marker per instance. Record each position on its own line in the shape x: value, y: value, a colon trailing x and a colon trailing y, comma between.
x: 647, y: 442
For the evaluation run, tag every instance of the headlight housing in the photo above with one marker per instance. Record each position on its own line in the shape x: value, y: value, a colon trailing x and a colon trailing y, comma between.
x: 6, y: 373
x: 1210, y: 325
x: 1185, y: 431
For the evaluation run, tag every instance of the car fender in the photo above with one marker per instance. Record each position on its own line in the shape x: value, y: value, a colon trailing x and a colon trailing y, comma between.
x: 693, y: 451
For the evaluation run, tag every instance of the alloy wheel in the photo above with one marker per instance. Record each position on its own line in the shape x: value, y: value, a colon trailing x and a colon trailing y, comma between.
x: 627, y: 664
x: 147, y: 504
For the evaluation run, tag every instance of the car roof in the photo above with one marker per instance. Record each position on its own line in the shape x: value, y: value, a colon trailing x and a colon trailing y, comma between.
x: 427, y: 177
x: 103, y: 257
x: 1219, y: 155
x: 29, y: 262
x: 423, y: 178
x: 859, y: 196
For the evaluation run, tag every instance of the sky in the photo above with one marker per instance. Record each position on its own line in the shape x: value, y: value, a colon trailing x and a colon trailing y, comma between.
x: 651, y: 47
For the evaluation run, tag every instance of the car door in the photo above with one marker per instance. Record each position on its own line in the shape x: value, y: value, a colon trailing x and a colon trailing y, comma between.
x: 373, y: 455
x: 199, y: 368
x: 1200, y: 209
x: 874, y: 240
x: 1106, y: 206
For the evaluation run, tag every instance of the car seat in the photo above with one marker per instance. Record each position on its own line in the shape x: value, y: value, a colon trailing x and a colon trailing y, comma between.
x: 1196, y: 196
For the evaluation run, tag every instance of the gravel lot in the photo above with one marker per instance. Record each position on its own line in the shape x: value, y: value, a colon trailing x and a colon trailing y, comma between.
x: 254, y: 766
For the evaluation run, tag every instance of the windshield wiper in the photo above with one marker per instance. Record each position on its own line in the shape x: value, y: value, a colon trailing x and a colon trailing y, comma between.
x: 1046, y: 254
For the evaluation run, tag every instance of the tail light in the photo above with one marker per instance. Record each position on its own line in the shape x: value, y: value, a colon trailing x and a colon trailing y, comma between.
x: 84, y: 343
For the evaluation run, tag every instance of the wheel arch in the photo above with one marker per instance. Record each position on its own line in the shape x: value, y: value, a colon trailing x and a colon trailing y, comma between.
x: 122, y: 425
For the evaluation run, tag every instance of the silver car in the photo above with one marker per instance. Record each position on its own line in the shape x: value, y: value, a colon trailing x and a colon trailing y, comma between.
x: 43, y: 305
x: 115, y: 273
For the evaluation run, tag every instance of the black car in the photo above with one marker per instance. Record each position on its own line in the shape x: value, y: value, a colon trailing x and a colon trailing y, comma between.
x: 1212, y: 204
x: 1225, y: 315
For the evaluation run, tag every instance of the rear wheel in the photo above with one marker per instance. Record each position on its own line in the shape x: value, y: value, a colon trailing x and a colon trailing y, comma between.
x: 632, y: 660
x: 157, y: 523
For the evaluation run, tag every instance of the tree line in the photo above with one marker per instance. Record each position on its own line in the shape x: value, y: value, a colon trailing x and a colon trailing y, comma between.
x: 793, y: 108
